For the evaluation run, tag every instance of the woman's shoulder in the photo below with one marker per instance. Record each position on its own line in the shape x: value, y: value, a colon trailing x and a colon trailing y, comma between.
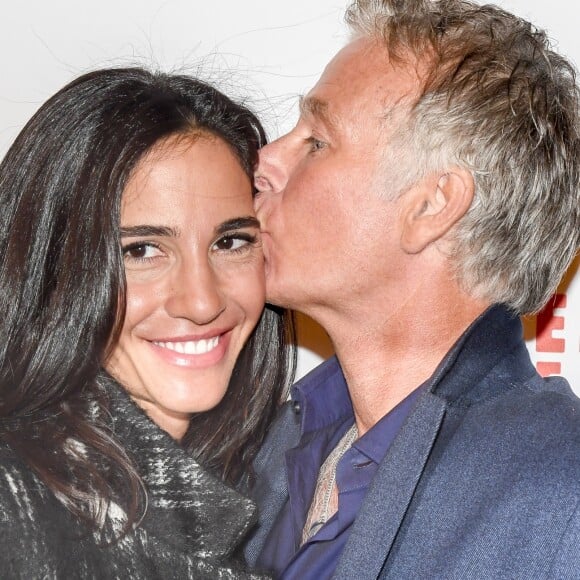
x: 11, y: 464
x: 28, y: 511
x: 25, y: 501
x: 20, y: 488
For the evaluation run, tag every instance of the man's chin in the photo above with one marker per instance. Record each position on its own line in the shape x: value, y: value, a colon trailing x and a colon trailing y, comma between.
x: 276, y: 297
x: 281, y: 290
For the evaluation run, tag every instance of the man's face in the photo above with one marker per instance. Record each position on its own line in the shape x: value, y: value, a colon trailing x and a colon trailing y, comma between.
x: 329, y: 217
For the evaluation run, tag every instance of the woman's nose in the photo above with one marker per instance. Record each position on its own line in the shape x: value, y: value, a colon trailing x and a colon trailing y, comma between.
x: 195, y: 293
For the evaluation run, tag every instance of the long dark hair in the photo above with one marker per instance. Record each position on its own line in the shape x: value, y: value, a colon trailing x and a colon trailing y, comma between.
x: 62, y: 284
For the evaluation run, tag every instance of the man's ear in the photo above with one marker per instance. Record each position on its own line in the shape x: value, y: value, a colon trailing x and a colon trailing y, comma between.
x: 434, y: 206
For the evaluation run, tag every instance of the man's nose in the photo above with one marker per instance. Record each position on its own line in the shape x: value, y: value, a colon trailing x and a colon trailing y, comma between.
x: 273, y: 168
x: 195, y: 293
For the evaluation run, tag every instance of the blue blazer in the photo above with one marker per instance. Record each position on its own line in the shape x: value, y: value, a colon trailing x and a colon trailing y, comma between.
x: 482, y: 481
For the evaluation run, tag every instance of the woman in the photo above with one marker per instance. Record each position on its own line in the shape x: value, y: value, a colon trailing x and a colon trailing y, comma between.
x: 131, y: 282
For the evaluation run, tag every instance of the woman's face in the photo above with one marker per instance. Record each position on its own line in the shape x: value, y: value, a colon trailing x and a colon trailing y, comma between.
x: 195, y: 278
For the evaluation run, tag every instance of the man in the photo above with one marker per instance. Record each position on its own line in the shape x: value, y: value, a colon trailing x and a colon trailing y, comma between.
x: 429, y: 193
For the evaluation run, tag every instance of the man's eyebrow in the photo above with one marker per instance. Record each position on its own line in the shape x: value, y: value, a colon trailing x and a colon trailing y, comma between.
x: 317, y: 108
x: 237, y: 224
x: 147, y: 230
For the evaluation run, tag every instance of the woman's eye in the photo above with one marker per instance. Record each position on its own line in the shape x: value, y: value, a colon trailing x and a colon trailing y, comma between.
x: 141, y: 251
x: 234, y: 243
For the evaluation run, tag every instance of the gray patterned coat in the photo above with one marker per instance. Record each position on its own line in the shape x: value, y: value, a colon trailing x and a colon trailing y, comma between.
x: 192, y: 524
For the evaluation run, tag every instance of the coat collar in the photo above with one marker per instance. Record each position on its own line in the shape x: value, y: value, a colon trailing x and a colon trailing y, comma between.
x: 468, y: 373
x: 187, y: 506
x: 488, y: 358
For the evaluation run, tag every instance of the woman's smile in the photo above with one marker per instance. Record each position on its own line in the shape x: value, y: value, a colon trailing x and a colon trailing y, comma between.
x: 193, y: 353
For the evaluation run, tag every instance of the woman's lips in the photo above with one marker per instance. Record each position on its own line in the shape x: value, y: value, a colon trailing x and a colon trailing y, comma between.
x: 198, y: 353
x: 202, y: 346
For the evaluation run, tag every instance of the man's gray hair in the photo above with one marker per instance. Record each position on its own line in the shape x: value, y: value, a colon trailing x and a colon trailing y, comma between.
x: 497, y: 100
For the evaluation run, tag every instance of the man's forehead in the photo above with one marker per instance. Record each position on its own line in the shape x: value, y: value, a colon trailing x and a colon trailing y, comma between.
x: 360, y: 79
x: 336, y: 118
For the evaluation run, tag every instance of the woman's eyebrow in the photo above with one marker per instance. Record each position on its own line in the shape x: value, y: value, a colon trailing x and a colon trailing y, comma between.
x: 237, y: 224
x: 148, y: 230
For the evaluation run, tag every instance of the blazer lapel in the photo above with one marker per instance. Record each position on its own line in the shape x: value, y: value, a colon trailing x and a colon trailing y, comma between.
x: 271, y: 489
x: 389, y: 496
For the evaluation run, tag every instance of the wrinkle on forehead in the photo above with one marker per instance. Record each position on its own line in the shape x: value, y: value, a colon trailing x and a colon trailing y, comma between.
x: 380, y: 90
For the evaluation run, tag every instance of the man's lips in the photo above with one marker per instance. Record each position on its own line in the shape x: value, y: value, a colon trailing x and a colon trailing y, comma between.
x: 266, y: 243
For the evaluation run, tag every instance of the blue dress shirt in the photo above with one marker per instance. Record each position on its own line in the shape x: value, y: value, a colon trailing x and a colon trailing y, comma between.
x: 327, y: 414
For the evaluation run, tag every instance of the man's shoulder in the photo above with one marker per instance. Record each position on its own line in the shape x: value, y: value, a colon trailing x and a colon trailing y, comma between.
x: 552, y: 385
x: 538, y: 402
x: 534, y: 425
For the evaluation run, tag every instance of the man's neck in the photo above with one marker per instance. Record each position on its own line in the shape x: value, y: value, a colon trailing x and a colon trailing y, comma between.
x: 387, y: 355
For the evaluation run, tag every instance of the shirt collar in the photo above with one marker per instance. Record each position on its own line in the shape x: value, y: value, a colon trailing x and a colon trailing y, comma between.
x: 322, y: 397
x: 376, y: 441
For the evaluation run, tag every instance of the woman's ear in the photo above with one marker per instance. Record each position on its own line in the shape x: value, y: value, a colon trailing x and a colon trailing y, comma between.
x: 433, y: 206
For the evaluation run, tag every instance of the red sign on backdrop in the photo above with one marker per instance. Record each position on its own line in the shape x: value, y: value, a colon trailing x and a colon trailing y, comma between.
x: 546, y: 323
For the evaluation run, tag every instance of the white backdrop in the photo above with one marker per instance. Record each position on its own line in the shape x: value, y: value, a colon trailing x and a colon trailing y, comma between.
x: 269, y: 51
